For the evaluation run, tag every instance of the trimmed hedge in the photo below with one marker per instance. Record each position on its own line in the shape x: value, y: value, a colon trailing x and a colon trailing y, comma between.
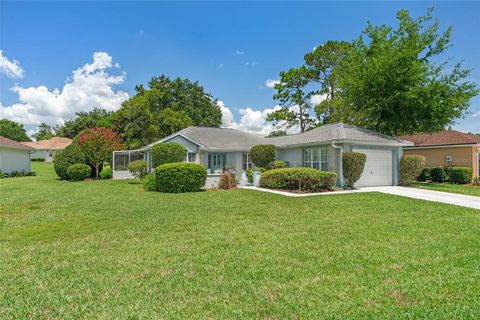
x: 180, y: 177
x: 106, y: 172
x: 79, y: 171
x: 411, y: 167
x: 138, y: 168
x: 167, y: 152
x: 438, y: 174
x: 262, y: 155
x: 277, y: 164
x: 353, y: 164
x: 459, y: 175
x: 69, y: 156
x: 299, y: 179
x: 424, y: 175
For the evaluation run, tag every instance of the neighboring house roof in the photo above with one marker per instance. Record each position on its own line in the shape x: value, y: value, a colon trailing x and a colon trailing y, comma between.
x: 237, y: 140
x: 7, y: 143
x: 442, y: 138
x: 338, y: 132
x: 55, y: 143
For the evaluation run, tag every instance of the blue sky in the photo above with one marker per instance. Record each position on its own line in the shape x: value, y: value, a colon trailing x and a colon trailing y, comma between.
x: 230, y: 48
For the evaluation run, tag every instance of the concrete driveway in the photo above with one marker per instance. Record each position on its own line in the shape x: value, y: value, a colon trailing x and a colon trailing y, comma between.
x: 415, y: 193
x: 429, y: 195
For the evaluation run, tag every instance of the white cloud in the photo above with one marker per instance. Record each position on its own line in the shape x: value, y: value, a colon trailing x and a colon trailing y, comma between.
x: 251, y: 63
x: 317, y: 98
x: 90, y: 86
x: 11, y: 68
x: 270, y: 83
x: 476, y: 114
x: 239, y: 52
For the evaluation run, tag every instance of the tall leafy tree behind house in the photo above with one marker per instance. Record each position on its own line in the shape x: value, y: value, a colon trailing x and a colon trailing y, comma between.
x: 13, y: 130
x: 166, y: 106
x: 390, y: 81
x: 97, y: 117
x: 323, y: 64
x: 294, y: 100
x: 44, y: 132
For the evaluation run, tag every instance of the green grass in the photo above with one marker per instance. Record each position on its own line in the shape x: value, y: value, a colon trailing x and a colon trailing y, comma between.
x: 107, y: 249
x: 448, y: 187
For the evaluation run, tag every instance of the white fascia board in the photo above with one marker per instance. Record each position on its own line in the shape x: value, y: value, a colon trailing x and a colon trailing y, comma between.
x: 149, y: 146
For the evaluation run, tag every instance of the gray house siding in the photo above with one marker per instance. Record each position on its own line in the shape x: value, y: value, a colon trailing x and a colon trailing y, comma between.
x: 189, y: 145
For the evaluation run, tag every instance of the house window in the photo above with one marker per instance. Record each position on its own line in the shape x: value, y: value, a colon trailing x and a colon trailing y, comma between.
x: 190, y: 157
x: 315, y: 158
x: 246, y: 161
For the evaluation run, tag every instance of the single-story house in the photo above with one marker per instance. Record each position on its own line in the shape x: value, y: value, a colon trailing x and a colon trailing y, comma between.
x: 46, y: 149
x: 321, y: 148
x: 14, y: 156
x: 446, y: 148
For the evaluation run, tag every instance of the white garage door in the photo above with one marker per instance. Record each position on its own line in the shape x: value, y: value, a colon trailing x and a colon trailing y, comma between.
x: 378, y: 168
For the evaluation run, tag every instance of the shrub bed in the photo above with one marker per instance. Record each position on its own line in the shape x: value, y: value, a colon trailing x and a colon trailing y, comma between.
x: 425, y: 175
x: 227, y: 181
x: 277, y: 164
x: 138, y: 168
x: 249, y: 174
x: 167, y: 152
x: 180, y: 177
x: 298, y: 179
x: 262, y: 154
x: 149, y: 182
x: 106, y: 172
x: 411, y: 167
x: 459, y: 175
x: 64, y: 159
x: 79, y: 171
x: 353, y: 164
x: 438, y: 174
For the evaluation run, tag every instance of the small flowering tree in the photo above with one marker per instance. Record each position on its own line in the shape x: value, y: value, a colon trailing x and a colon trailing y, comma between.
x: 97, y: 145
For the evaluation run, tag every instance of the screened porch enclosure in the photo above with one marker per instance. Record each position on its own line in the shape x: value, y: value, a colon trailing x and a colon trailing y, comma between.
x: 120, y: 162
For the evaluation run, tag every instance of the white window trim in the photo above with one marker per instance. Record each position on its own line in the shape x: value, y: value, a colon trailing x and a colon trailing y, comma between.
x: 320, y: 162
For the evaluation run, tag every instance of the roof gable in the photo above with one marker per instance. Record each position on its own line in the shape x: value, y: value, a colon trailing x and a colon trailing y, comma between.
x: 8, y: 143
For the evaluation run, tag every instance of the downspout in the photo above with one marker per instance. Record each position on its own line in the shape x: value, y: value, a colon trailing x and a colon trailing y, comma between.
x: 340, y: 164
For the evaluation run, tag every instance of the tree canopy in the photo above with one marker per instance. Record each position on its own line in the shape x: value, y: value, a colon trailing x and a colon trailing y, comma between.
x: 166, y: 106
x: 97, y: 117
x: 388, y: 80
x: 13, y: 130
x: 44, y: 132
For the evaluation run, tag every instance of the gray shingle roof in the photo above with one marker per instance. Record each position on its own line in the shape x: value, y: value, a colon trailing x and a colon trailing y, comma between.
x: 237, y: 140
x: 336, y: 132
x: 222, y: 138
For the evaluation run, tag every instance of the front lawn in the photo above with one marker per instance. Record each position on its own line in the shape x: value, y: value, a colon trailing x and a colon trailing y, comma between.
x: 107, y: 249
x: 448, y: 187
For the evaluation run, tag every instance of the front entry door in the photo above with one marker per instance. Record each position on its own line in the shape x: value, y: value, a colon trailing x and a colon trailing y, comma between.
x: 216, y: 162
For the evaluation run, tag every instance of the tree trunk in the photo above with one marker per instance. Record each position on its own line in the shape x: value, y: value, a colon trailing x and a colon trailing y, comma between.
x: 96, y: 170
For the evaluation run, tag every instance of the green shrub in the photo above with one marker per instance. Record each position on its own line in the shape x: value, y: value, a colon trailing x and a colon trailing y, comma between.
x: 411, y: 167
x: 149, y: 182
x: 180, y: 177
x: 249, y: 174
x: 167, y: 152
x: 459, y: 175
x: 277, y: 164
x: 3, y: 174
x: 79, y: 171
x: 299, y: 179
x: 64, y: 159
x: 138, y: 168
x: 262, y: 154
x: 106, y: 172
x: 424, y: 175
x: 227, y: 181
x: 438, y: 174
x: 38, y: 160
x: 353, y: 164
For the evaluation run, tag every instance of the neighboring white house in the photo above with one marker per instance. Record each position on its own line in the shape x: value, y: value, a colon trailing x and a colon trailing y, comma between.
x: 14, y: 156
x: 218, y: 149
x: 46, y: 149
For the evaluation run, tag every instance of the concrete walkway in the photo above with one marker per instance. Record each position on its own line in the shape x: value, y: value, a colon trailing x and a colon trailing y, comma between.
x: 415, y: 193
